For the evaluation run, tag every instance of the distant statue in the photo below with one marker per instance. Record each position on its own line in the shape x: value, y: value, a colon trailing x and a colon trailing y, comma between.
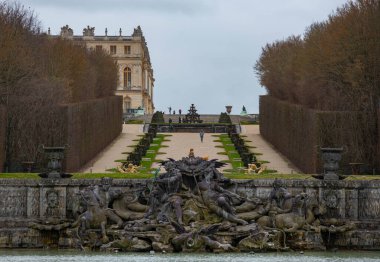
x: 128, y: 168
x: 66, y: 31
x: 192, y: 116
x: 137, y: 32
x: 243, y: 111
x: 191, y: 153
x: 89, y: 31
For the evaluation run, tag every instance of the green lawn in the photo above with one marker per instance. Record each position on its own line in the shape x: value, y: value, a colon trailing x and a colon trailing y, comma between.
x: 155, y: 146
x: 135, y: 121
x: 146, y: 175
x: 80, y: 175
x: 230, y: 150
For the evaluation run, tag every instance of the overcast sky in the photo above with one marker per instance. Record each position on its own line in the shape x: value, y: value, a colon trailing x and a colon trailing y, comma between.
x: 202, y: 51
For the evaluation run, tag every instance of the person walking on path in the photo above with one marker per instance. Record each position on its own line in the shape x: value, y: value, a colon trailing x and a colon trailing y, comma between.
x: 201, y: 134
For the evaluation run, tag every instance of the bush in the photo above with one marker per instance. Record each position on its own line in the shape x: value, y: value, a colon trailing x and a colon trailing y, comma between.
x: 157, y: 118
x: 225, y: 118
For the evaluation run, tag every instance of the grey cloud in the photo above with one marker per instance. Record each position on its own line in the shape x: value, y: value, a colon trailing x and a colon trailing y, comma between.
x: 188, y: 7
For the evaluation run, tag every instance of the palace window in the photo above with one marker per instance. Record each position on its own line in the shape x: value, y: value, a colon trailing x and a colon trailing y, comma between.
x: 113, y: 49
x: 127, y: 104
x: 98, y: 48
x: 127, y: 49
x: 127, y: 78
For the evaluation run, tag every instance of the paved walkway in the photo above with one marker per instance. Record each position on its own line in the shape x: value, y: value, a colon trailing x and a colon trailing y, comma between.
x: 276, y: 160
x: 180, y: 144
x: 106, y: 159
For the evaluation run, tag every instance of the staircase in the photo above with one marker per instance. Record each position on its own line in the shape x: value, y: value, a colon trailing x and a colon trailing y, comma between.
x: 207, y: 118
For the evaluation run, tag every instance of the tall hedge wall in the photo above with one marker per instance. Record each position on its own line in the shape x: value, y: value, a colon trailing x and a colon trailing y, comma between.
x: 3, y: 125
x: 291, y: 129
x: 378, y: 138
x: 90, y: 127
x: 299, y: 132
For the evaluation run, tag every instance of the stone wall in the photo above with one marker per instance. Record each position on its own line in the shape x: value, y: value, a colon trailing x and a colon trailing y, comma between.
x: 90, y: 127
x: 25, y: 201
x: 3, y: 126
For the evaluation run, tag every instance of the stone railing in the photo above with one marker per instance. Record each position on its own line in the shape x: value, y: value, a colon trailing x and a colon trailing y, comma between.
x: 351, y: 200
x: 24, y: 201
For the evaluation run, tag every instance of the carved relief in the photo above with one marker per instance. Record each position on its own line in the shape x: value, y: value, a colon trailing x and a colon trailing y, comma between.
x: 352, y: 204
x: 331, y: 199
x: 13, y: 202
x: 334, y: 200
x: 33, y: 202
x: 52, y: 201
x: 369, y: 204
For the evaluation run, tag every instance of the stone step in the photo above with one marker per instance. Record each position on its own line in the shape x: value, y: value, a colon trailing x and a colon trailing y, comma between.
x: 207, y: 118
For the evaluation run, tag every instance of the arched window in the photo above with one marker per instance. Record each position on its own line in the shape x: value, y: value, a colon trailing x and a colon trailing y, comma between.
x: 127, y: 77
x: 127, y: 104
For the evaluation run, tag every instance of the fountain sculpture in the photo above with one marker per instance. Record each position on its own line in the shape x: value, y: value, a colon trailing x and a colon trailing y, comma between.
x: 192, y: 207
x: 192, y: 116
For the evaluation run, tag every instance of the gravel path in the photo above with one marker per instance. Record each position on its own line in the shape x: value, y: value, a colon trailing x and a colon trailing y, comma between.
x: 106, y: 159
x: 180, y: 144
x: 276, y: 160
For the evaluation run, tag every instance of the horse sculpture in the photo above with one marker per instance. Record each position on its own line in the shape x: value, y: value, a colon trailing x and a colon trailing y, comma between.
x: 96, y: 216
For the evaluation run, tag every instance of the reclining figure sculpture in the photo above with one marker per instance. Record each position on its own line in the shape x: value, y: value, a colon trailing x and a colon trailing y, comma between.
x: 193, y: 207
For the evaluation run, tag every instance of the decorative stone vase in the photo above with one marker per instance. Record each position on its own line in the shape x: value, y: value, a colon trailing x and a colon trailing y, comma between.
x: 228, y: 109
x: 55, y: 156
x: 331, y: 158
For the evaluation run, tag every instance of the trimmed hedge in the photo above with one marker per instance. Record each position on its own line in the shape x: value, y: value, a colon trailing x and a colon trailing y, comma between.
x: 90, y: 127
x: 3, y: 125
x: 157, y: 118
x: 225, y: 118
x: 298, y: 133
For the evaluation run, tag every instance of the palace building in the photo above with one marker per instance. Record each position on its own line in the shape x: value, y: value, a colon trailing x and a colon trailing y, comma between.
x: 136, y: 81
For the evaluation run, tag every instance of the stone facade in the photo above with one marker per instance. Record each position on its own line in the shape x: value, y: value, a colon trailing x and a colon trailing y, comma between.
x: 136, y: 81
x: 22, y: 202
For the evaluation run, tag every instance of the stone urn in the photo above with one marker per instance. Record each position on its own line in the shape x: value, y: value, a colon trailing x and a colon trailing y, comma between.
x: 228, y: 109
x: 331, y: 158
x: 55, y: 156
